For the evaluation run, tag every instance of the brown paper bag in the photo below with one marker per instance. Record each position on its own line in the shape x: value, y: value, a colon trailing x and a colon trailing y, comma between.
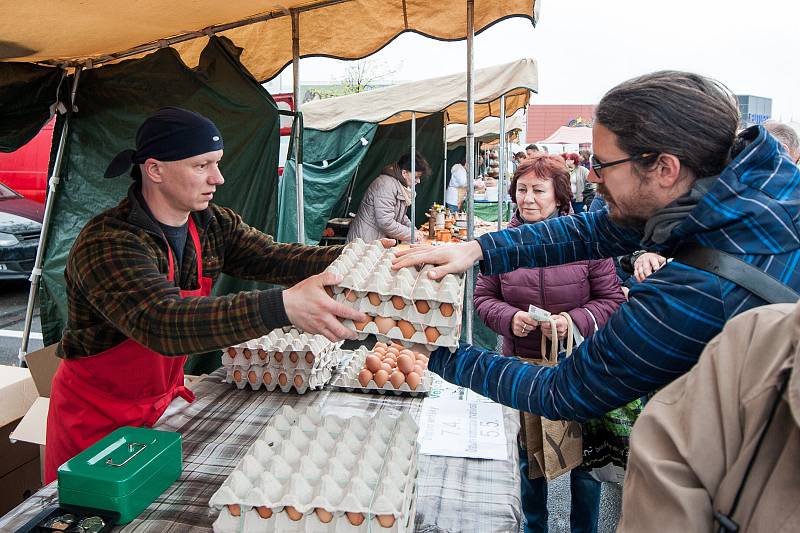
x: 554, y: 447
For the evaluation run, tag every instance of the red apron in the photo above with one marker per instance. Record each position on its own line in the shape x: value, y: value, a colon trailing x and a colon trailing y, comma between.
x: 127, y: 385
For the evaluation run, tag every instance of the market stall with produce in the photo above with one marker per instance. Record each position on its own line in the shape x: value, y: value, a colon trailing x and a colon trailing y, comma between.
x: 218, y: 435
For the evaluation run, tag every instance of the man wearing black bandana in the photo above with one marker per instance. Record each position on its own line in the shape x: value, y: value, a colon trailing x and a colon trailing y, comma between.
x: 139, y: 280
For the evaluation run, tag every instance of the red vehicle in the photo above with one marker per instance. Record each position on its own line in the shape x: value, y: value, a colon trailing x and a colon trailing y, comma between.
x: 25, y: 170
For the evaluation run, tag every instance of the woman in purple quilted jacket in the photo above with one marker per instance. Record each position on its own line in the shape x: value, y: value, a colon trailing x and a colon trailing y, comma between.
x: 588, y: 290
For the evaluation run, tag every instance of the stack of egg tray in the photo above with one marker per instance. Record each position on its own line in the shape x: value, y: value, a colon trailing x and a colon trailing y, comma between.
x: 351, y: 365
x: 369, y: 285
x: 323, y: 474
x: 287, y: 355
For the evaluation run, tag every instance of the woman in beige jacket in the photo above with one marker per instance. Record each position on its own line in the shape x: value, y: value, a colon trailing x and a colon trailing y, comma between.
x: 382, y: 213
x: 693, y: 443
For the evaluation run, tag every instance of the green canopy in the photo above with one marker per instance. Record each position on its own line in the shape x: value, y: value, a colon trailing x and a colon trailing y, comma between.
x: 340, y: 164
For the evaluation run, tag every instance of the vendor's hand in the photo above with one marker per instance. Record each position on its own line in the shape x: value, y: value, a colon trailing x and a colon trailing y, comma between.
x: 453, y: 259
x: 419, y: 236
x: 646, y: 264
x: 310, y: 308
x: 561, y: 327
x: 522, y: 324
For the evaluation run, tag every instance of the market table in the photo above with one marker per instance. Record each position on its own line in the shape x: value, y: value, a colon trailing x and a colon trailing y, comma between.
x: 453, y: 494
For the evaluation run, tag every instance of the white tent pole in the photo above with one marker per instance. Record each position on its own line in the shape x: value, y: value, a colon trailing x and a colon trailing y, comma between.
x: 36, y: 274
x: 444, y: 164
x: 501, y: 195
x: 301, y: 230
x: 470, y: 284
x: 413, y: 175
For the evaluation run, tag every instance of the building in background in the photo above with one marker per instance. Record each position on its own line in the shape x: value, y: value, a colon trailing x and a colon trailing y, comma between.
x: 544, y: 120
x: 753, y: 109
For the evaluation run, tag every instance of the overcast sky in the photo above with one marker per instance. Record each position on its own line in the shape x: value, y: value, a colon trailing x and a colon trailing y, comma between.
x: 585, y: 47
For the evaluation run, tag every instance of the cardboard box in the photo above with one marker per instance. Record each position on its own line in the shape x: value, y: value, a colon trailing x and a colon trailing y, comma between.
x: 32, y: 429
x: 20, y: 465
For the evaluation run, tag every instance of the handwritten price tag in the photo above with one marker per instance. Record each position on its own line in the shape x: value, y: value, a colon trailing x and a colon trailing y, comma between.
x: 459, y: 428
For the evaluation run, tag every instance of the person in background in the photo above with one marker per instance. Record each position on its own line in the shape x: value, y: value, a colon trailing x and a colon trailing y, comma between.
x: 457, y: 186
x: 531, y: 150
x: 787, y: 136
x: 382, y: 213
x: 585, y: 154
x: 577, y: 180
x: 731, y: 424
x: 588, y: 290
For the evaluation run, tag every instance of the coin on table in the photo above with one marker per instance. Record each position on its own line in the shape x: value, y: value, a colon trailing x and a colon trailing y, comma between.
x: 92, y: 524
x: 61, y: 523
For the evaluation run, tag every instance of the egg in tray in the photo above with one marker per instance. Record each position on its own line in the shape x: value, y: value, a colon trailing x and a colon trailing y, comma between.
x: 403, y: 305
x: 385, y: 368
x: 285, y: 358
x: 312, y: 473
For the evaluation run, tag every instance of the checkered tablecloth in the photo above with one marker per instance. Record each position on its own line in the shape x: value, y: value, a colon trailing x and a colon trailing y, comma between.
x: 454, y: 494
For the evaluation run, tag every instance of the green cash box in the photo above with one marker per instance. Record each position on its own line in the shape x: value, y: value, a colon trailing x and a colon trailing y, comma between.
x: 122, y: 472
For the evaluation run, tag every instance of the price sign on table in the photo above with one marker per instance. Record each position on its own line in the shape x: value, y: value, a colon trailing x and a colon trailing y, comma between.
x: 459, y: 428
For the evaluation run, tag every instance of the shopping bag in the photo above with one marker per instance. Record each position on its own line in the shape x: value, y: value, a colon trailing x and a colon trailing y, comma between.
x: 554, y: 447
x: 606, y: 442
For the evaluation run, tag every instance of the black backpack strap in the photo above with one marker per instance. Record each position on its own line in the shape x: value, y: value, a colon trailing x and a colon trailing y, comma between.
x: 734, y: 269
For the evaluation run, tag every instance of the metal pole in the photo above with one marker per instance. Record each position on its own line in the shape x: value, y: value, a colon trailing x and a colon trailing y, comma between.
x: 501, y: 195
x: 36, y: 274
x: 413, y: 175
x: 298, y: 153
x: 470, y: 282
x: 444, y: 164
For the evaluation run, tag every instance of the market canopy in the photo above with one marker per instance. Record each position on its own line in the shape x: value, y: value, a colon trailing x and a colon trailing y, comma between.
x: 55, y: 31
x: 567, y: 135
x: 487, y: 129
x: 393, y: 104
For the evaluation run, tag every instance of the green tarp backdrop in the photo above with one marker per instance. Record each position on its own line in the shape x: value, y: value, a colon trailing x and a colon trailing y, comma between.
x: 112, y: 102
x: 330, y: 159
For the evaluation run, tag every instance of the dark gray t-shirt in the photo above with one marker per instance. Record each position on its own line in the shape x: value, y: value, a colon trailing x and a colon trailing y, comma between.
x: 176, y: 237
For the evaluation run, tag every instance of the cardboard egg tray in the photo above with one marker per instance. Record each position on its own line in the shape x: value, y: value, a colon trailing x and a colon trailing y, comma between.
x: 323, y: 474
x: 299, y: 360
x: 352, y: 363
x: 431, y: 310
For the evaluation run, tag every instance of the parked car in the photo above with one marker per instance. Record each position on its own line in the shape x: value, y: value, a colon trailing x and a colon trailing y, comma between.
x: 20, y: 224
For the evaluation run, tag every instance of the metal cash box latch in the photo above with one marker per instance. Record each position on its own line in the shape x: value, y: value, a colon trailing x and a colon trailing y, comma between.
x: 131, y: 447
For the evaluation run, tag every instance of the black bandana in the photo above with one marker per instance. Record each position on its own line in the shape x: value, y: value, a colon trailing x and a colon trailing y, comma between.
x: 171, y: 134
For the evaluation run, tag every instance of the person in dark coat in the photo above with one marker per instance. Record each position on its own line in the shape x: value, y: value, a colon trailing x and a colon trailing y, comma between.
x: 588, y: 290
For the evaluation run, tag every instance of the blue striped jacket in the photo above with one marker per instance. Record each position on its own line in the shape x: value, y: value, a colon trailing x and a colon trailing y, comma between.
x: 750, y: 211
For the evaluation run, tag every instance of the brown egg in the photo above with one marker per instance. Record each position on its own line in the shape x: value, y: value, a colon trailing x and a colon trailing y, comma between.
x: 398, y: 303
x: 361, y: 325
x: 413, y: 380
x: 364, y: 377
x: 406, y: 351
x: 372, y: 363
x: 282, y: 379
x: 405, y: 364
x: 422, y: 306
x: 374, y: 298
x: 278, y: 357
x: 351, y: 296
x: 323, y: 515
x: 235, y: 509
x: 310, y: 358
x: 380, y: 344
x: 381, y: 377
x: 418, y: 369
x: 293, y: 357
x: 237, y: 375
x: 386, y: 520
x: 262, y: 354
x: 252, y: 377
x: 293, y: 513
x: 380, y: 352
x: 264, y: 512
x: 446, y: 309
x: 267, y: 378
x: 393, y: 350
x: 232, y: 351
x: 329, y: 290
x: 298, y: 381
x: 384, y: 324
x: 355, y: 518
x: 247, y: 353
x: 431, y: 333
x: 391, y: 361
x: 386, y: 367
x: 421, y: 357
x: 397, y: 378
x: 406, y: 328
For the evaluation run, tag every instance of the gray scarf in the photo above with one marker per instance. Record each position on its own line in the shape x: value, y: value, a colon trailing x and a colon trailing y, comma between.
x: 659, y: 227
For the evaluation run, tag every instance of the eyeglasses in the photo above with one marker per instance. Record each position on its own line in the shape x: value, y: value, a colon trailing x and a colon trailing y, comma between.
x: 598, y: 165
